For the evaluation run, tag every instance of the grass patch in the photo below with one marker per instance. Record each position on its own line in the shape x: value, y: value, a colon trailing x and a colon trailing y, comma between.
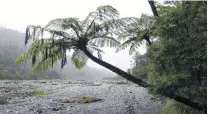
x: 174, y: 107
x: 80, y: 100
x: 87, y: 100
x: 38, y: 92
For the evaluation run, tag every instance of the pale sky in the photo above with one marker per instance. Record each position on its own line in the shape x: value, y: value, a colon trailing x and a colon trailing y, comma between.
x: 17, y: 14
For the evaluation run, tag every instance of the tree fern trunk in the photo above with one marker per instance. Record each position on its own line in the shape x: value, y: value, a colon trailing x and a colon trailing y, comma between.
x: 116, y: 70
x: 139, y: 82
x: 153, y: 7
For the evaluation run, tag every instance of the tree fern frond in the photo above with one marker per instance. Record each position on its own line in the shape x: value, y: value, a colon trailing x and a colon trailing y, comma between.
x: 106, y: 41
x: 125, y: 44
x: 79, y: 59
x: 133, y: 47
x: 89, y: 19
x: 108, y: 12
x: 32, y: 51
x: 96, y: 49
x: 90, y: 26
x: 62, y: 23
x: 46, y: 63
x: 65, y: 24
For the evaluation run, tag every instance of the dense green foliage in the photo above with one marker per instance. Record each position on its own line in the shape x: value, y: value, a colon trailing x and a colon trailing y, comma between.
x: 178, y: 58
x: 140, y: 66
x: 174, y: 107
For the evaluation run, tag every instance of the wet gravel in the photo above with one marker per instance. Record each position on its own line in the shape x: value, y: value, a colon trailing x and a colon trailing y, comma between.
x: 115, y: 98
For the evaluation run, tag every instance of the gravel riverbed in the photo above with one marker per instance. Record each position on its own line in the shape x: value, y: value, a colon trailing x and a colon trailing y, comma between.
x: 115, y: 98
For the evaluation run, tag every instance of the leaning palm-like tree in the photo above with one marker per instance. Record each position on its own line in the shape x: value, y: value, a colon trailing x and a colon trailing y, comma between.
x: 51, y: 43
x: 135, y: 33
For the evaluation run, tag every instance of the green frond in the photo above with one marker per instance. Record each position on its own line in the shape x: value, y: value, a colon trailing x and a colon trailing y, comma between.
x: 106, y: 41
x: 79, y: 59
x: 34, y: 50
x: 146, y: 21
x: 47, y: 51
x: 110, y: 27
x: 135, y: 32
x: 125, y: 44
x: 142, y: 24
x: 96, y: 49
x: 103, y: 14
x: 62, y: 23
x: 107, y: 12
x: 79, y: 64
x: 88, y: 20
x: 133, y: 47
x: 140, y: 36
x: 46, y: 63
x: 65, y: 24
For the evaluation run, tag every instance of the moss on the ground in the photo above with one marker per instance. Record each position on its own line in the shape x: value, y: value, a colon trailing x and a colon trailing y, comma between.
x: 38, y: 92
x: 87, y: 100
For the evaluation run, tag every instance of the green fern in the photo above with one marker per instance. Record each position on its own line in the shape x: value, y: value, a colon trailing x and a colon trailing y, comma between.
x: 133, y: 35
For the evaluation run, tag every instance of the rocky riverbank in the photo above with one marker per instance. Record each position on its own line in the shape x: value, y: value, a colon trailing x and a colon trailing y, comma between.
x: 74, y: 97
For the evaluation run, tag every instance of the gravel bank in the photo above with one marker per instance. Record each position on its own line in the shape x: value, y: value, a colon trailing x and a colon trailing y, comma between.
x: 115, y: 98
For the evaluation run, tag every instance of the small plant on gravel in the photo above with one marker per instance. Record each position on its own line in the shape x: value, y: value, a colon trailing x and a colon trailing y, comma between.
x: 38, y: 92
x: 152, y: 97
x: 87, y: 100
x: 80, y: 100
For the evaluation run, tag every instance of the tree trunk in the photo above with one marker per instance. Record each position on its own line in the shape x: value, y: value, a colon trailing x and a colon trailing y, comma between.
x: 153, y: 7
x: 116, y: 70
x: 139, y: 82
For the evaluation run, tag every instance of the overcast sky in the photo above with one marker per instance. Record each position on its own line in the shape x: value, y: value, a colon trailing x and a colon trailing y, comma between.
x: 17, y: 14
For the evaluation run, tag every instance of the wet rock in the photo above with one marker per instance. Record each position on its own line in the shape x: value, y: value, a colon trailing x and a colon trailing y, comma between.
x: 41, y: 111
x: 7, y: 82
x: 3, y: 100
